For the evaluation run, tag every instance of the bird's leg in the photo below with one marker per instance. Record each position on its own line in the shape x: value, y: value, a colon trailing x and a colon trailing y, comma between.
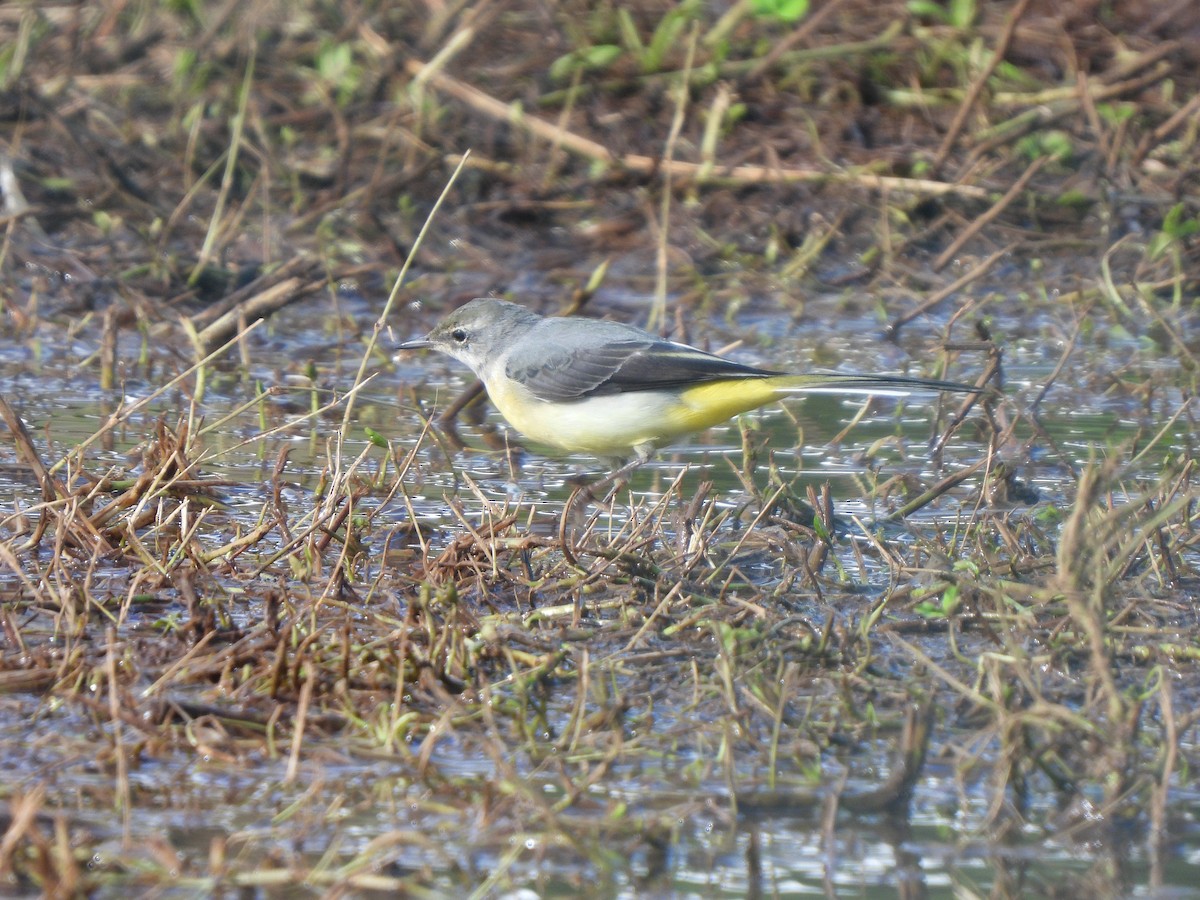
x: 586, y: 493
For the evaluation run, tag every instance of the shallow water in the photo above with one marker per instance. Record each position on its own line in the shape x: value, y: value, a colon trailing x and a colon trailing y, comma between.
x: 343, y: 798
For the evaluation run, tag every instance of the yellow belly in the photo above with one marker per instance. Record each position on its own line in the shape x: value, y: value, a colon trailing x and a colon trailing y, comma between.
x: 616, y: 424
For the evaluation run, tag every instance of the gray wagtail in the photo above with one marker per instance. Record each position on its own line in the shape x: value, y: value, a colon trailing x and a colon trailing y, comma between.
x: 612, y: 390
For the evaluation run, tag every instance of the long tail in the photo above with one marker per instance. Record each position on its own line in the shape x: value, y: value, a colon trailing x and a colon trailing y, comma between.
x: 878, y: 385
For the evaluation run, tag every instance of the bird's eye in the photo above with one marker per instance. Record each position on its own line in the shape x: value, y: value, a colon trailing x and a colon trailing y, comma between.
x: 459, y: 335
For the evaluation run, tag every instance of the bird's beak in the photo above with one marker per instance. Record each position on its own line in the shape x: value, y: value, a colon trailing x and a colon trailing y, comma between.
x: 416, y: 344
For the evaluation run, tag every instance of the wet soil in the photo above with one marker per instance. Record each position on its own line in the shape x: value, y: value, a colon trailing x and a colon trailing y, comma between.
x: 266, y: 624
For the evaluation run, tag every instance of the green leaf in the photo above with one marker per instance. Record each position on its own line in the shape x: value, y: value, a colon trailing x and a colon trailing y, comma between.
x: 666, y: 37
x: 1158, y: 245
x: 1115, y: 113
x: 1054, y: 144
x: 822, y: 532
x: 950, y: 600
x: 598, y: 56
x: 629, y: 33
x: 928, y: 9
x: 1074, y: 197
x: 334, y: 62
x: 962, y: 13
x: 780, y: 10
x: 1175, y: 225
x: 1057, y: 145
x: 947, y: 606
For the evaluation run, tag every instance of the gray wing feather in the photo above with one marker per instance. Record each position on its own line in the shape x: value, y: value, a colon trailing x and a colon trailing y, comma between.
x: 562, y: 365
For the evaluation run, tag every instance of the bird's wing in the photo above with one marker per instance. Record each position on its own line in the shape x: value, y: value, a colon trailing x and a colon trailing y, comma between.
x: 599, y: 362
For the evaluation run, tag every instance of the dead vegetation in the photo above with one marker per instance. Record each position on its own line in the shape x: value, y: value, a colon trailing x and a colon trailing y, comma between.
x: 377, y: 671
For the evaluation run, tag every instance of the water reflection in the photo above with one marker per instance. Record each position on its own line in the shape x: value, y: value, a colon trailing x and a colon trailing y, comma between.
x: 347, y: 797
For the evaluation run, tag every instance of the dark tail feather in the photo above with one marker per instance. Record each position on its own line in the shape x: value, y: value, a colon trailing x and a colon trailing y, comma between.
x: 885, y: 385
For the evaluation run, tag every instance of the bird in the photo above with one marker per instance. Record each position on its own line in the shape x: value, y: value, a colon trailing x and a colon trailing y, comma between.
x: 615, y: 391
